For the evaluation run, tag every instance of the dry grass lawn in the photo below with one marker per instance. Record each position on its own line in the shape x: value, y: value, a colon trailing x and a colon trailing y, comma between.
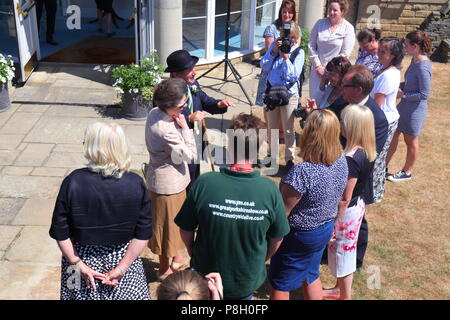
x: 408, y: 230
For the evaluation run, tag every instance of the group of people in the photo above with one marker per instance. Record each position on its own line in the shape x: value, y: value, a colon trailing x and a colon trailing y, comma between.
x: 234, y: 221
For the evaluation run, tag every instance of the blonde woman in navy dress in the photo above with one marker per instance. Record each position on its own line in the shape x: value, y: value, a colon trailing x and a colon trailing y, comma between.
x: 102, y: 222
x: 413, y: 107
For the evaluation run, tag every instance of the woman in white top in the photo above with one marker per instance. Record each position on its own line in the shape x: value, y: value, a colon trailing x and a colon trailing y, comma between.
x: 330, y: 37
x: 384, y: 92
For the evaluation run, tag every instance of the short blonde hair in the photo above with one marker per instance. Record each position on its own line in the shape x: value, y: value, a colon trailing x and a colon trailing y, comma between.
x: 319, y: 142
x: 359, y: 127
x: 106, y: 149
x: 183, y: 285
x: 295, y: 30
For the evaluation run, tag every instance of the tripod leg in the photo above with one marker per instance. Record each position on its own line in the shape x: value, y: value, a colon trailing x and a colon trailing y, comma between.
x: 237, y: 79
x: 210, y: 70
x: 234, y: 69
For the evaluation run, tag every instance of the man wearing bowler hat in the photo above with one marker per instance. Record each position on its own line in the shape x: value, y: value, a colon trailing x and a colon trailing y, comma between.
x: 181, y: 64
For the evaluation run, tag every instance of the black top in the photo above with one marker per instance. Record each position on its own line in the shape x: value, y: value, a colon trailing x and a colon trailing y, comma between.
x: 94, y: 210
x: 359, y: 167
x: 381, y: 123
x: 381, y: 133
x: 202, y: 102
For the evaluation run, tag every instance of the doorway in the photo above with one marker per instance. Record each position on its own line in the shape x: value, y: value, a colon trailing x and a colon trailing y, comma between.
x: 80, y: 38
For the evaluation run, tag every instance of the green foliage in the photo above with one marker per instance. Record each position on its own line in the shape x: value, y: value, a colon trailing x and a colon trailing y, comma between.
x: 6, y: 68
x: 304, y: 45
x: 138, y: 79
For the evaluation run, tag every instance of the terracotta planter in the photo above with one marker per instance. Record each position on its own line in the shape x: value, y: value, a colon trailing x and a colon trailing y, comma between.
x: 5, y: 102
x: 134, y: 107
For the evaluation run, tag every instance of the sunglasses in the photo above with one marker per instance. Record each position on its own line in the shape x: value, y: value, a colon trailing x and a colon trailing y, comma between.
x: 350, y: 86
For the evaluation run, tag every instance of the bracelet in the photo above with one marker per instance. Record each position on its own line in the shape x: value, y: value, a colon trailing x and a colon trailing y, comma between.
x: 76, y: 262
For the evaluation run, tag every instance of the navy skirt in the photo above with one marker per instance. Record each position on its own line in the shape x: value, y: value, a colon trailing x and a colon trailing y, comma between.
x: 297, y: 261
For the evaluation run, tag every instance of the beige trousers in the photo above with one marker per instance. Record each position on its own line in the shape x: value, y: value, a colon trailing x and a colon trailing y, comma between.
x: 286, y: 115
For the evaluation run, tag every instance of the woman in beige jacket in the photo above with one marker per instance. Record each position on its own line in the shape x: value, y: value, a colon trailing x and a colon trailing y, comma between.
x: 171, y: 146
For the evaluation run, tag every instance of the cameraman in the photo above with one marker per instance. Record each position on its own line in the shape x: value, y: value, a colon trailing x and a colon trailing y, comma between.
x: 284, y: 70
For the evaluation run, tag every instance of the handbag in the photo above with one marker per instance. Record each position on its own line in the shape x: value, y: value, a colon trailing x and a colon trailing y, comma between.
x: 276, y: 96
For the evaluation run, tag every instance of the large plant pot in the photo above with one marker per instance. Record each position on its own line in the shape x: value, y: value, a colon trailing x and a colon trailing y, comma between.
x: 5, y: 102
x: 134, y: 107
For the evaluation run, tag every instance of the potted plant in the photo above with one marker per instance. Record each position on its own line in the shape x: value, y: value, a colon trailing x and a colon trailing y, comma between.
x: 135, y: 84
x: 6, y: 74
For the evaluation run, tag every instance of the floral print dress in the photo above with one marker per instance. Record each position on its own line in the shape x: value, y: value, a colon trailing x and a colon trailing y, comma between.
x: 342, y: 247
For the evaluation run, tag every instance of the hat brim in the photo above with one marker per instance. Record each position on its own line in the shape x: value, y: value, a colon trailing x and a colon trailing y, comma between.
x: 189, y: 65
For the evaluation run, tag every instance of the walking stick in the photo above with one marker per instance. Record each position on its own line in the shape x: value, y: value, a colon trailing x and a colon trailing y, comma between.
x: 204, y: 130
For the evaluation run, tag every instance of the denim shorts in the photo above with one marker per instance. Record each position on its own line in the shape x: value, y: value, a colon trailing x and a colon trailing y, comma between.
x: 297, y: 261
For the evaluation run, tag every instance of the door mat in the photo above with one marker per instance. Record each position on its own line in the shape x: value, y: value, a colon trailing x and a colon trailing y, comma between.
x: 97, y: 50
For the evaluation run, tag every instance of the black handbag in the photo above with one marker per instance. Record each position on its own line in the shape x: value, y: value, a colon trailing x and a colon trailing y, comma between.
x: 276, y: 96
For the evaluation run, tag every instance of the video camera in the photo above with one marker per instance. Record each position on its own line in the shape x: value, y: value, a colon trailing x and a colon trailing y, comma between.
x: 286, y: 40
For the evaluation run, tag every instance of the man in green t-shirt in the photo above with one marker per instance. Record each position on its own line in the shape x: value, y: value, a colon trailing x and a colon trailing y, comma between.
x: 239, y: 216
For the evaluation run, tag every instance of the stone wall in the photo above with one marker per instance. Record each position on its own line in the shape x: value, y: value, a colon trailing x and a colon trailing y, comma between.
x: 398, y: 17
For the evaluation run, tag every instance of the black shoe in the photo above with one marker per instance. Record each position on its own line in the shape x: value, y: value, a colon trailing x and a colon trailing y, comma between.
x: 110, y: 34
x: 52, y: 42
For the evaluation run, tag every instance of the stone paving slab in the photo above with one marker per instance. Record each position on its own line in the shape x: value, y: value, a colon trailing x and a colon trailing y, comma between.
x: 7, y: 236
x: 66, y: 160
x: 20, y: 123
x: 77, y: 148
x: 29, y: 187
x: 7, y: 157
x: 9, y: 207
x: 35, y: 212
x: 25, y: 281
x: 74, y: 111
x: 17, y: 171
x: 10, y: 141
x: 57, y: 130
x: 49, y: 172
x: 34, y: 154
x: 34, y: 108
x: 34, y: 245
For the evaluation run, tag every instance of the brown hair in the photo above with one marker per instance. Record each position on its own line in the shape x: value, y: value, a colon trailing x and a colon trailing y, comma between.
x: 339, y: 65
x: 244, y: 132
x: 169, y: 92
x: 367, y: 35
x: 319, y: 142
x: 420, y: 38
x: 343, y: 4
x: 290, y: 5
x: 361, y: 77
x: 395, y: 47
x: 183, y: 285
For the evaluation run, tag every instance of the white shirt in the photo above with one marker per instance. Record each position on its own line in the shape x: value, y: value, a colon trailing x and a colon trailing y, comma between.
x: 387, y: 83
x: 324, y: 45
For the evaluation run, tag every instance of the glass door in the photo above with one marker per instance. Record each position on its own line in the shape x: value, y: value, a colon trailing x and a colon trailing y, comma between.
x: 144, y: 28
x: 27, y: 36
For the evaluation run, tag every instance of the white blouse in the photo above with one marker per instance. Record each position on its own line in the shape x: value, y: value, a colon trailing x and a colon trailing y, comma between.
x: 324, y: 45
